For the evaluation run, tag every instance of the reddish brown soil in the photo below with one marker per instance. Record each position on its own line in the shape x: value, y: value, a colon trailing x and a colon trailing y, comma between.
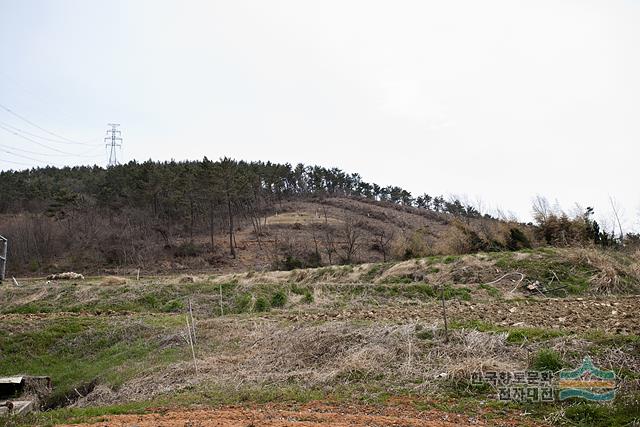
x: 306, y: 416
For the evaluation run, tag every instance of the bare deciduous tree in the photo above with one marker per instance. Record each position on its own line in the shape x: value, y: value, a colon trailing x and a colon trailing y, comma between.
x: 329, y: 244
x: 542, y: 210
x: 383, y: 240
x: 351, y: 235
x: 617, y: 214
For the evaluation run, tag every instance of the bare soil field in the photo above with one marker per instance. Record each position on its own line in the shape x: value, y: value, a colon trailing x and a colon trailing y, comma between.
x: 311, y: 415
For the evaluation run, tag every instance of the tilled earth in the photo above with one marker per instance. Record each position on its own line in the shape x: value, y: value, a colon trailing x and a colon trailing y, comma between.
x: 613, y: 314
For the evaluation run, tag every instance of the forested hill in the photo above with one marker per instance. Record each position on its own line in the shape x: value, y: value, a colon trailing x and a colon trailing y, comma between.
x: 208, y: 213
x: 174, y: 189
x: 235, y: 215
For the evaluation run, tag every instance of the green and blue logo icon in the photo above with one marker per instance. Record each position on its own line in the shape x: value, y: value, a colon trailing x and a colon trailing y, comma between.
x: 587, y: 382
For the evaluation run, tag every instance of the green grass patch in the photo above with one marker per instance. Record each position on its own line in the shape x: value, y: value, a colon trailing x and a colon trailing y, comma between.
x: 624, y: 413
x: 491, y: 291
x: 515, y: 335
x: 279, y: 299
x: 548, y: 267
x: 547, y: 360
x: 74, y: 351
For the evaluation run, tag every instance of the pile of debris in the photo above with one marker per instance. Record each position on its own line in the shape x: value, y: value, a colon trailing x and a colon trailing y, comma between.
x: 20, y: 395
x: 66, y: 276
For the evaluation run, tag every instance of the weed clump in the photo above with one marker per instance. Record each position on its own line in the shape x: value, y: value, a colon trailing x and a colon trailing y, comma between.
x: 172, y: 306
x: 547, y: 360
x: 243, y: 302
x: 262, y: 305
x: 308, y: 297
x: 187, y: 249
x: 279, y: 299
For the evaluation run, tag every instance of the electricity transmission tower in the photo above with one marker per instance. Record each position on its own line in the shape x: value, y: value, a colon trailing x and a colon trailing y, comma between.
x: 113, y: 140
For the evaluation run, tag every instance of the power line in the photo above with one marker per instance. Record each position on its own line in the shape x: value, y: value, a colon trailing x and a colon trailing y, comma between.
x: 43, y: 154
x: 17, y: 129
x: 15, y: 163
x: 40, y: 97
x: 24, y: 157
x: 39, y: 143
x: 10, y: 111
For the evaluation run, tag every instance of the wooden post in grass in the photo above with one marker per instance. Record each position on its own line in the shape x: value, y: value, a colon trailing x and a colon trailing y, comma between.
x: 193, y: 323
x: 193, y: 350
x: 221, y: 310
x: 4, y: 243
x: 444, y: 315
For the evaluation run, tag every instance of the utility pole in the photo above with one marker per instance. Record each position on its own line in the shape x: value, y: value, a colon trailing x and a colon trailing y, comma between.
x: 112, y: 141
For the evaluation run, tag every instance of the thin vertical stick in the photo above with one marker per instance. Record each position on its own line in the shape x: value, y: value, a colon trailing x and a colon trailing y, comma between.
x: 221, y: 310
x: 444, y: 315
x: 193, y: 351
x: 409, y: 358
x: 193, y: 323
x: 138, y: 276
x: 4, y: 244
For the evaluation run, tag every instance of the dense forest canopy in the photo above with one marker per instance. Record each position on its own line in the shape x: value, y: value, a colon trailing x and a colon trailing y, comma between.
x: 171, y: 188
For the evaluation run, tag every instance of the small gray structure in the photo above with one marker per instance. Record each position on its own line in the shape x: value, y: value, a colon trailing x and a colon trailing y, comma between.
x: 22, y: 394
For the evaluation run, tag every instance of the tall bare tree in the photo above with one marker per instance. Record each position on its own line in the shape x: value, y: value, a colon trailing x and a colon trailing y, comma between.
x: 351, y: 235
x: 383, y: 240
x: 617, y: 214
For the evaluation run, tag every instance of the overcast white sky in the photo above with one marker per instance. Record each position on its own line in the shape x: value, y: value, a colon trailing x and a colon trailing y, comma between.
x: 501, y: 100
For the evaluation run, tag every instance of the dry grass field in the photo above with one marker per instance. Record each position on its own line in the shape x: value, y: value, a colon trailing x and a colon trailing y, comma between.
x: 341, y: 345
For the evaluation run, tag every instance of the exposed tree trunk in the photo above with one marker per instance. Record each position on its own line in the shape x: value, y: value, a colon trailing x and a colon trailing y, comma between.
x: 191, y: 215
x: 231, y: 239
x: 211, y: 224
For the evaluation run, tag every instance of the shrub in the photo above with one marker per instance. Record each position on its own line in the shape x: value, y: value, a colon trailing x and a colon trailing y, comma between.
x: 414, y: 246
x: 587, y: 415
x: 313, y: 260
x: 517, y: 240
x: 425, y: 334
x: 172, y: 306
x: 547, y: 360
x: 279, y: 299
x: 243, y: 302
x: 261, y: 305
x: 187, y: 249
x: 291, y: 263
x: 308, y: 297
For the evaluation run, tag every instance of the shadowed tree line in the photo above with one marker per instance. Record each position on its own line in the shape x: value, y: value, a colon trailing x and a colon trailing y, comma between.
x: 169, y: 189
x: 192, y: 191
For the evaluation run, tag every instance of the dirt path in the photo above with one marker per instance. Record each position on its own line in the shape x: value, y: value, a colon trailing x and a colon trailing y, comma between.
x: 306, y: 416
